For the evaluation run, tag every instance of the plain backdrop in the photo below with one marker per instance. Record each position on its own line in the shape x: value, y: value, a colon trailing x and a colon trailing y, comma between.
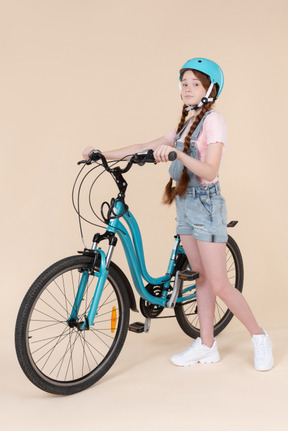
x: 105, y: 73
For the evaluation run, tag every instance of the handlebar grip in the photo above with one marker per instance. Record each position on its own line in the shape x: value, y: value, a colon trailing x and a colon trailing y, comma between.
x: 95, y: 155
x: 172, y: 156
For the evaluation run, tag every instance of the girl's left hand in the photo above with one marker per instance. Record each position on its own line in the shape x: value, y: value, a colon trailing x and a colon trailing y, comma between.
x: 86, y: 152
x: 162, y: 152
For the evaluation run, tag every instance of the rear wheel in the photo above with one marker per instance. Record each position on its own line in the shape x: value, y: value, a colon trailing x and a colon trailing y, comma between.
x: 60, y: 358
x: 187, y: 315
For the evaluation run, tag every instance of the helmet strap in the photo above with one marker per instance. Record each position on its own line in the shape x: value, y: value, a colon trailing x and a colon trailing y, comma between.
x: 204, y: 100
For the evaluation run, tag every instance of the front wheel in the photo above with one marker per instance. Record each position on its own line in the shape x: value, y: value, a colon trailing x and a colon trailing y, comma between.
x: 60, y: 358
x: 187, y: 315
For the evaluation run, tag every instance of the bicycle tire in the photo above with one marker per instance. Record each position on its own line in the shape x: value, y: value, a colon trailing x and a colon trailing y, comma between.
x: 63, y: 360
x: 187, y: 316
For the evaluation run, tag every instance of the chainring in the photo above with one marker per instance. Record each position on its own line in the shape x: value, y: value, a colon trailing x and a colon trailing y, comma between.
x: 148, y: 309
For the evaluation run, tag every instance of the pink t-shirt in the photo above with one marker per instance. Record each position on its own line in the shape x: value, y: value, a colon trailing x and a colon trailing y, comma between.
x: 214, y: 130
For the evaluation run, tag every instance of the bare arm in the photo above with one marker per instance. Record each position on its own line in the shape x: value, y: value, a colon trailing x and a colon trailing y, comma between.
x: 207, y: 170
x: 127, y: 151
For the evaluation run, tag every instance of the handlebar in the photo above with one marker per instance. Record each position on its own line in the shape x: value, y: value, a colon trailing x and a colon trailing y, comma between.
x: 137, y: 158
x: 116, y: 173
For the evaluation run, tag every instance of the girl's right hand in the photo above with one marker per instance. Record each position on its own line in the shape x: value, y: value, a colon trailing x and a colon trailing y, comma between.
x: 86, y: 152
x: 161, y: 154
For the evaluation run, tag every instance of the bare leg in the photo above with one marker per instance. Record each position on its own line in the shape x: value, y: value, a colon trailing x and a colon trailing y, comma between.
x: 209, y: 259
x: 213, y: 256
x: 204, y: 291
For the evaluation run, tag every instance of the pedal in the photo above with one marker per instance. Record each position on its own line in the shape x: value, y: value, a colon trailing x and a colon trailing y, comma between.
x: 139, y: 327
x: 188, y: 275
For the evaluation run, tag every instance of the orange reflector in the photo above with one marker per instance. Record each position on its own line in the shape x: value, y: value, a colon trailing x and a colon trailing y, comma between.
x: 113, y: 319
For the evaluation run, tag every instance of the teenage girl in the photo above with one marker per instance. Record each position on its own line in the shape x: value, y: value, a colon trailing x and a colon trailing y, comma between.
x: 199, y: 142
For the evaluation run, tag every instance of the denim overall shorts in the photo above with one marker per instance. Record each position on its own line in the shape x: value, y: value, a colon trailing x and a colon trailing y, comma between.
x: 201, y: 212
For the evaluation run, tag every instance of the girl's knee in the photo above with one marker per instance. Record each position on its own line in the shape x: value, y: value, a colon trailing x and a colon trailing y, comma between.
x: 202, y: 283
x: 201, y: 280
x: 220, y: 287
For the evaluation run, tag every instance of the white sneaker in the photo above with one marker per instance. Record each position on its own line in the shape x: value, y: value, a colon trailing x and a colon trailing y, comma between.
x: 197, y: 352
x: 263, y: 357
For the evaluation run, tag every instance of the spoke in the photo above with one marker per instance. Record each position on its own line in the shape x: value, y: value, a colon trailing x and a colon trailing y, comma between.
x: 71, y: 357
x: 43, y: 339
x: 63, y: 293
x: 88, y: 347
x: 65, y: 296
x: 43, y: 320
x: 94, y: 348
x: 61, y: 361
x: 104, y: 303
x: 55, y: 299
x: 83, y: 342
x: 73, y: 284
x: 48, y: 305
x: 217, y: 310
x: 61, y: 337
x: 97, y: 335
x: 195, y: 316
x: 44, y: 327
x: 228, y: 256
x: 103, y: 333
x: 219, y: 306
x: 97, y: 331
x: 44, y: 345
x: 189, y: 308
x: 104, y: 314
x: 48, y: 315
x: 197, y: 321
x: 104, y: 321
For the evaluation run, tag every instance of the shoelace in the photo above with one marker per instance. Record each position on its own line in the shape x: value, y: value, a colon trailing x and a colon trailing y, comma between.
x: 260, y: 349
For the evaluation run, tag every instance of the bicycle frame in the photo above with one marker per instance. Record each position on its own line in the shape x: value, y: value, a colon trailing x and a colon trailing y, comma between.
x: 133, y: 248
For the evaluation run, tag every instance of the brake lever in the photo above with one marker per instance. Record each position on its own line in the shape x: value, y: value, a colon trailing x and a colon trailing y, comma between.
x: 94, y: 155
x: 87, y: 162
x: 144, y: 157
x: 150, y: 157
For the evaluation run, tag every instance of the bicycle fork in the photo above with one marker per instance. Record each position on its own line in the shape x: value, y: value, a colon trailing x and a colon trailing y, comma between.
x: 102, y: 275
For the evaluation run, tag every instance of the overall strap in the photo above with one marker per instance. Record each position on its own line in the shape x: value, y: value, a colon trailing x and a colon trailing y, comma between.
x: 182, y: 130
x: 197, y: 131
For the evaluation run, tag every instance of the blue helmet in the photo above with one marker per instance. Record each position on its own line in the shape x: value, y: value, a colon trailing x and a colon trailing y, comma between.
x: 209, y: 68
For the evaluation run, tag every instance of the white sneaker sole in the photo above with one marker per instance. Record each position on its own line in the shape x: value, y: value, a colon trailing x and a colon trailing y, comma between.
x: 210, y: 360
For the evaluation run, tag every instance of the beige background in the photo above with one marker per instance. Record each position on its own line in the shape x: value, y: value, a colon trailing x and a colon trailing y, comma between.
x: 104, y: 73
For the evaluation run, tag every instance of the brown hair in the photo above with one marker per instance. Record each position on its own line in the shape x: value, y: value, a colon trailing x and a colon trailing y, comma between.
x: 170, y: 192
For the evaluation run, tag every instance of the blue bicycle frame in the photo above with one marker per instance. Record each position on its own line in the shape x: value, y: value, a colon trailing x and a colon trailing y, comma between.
x: 133, y: 249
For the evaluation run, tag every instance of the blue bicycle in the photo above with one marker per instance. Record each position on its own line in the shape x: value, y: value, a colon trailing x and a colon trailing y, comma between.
x: 74, y: 319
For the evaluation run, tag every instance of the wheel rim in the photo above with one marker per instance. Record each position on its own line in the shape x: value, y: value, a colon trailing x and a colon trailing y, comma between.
x: 67, y: 355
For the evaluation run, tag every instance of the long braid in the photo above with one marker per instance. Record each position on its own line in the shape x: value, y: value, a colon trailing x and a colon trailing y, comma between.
x: 169, y: 195
x: 181, y: 187
x: 182, y: 119
x: 170, y: 192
